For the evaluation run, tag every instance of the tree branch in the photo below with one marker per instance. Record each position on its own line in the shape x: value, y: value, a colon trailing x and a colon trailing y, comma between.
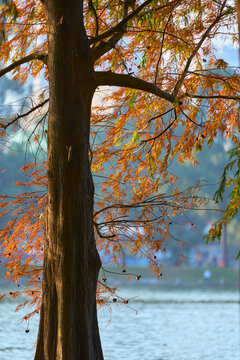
x: 120, y: 25
x: 112, y: 79
x: 40, y: 55
x: 95, y: 16
x: 135, y: 30
x: 191, y: 120
x: 223, y: 97
x: 161, y: 48
x: 102, y: 235
x: 160, y: 134
x: 160, y: 115
x: 118, y: 31
x: 16, y: 118
x: 205, y: 35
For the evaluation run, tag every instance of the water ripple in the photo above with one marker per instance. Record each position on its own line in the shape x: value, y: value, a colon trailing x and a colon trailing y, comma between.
x: 170, y: 325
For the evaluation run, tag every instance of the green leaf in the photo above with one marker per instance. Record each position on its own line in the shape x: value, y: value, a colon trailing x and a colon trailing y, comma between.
x: 229, y: 11
x: 198, y: 147
x: 135, y: 137
x: 124, y: 64
x: 210, y: 142
x: 132, y: 99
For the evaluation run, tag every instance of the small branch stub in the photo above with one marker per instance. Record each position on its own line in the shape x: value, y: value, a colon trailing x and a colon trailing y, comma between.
x: 69, y: 152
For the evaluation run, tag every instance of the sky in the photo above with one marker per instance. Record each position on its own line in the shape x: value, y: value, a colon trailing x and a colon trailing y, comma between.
x: 226, y: 51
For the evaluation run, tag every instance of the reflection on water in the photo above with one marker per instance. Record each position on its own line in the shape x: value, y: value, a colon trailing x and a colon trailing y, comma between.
x: 157, y: 325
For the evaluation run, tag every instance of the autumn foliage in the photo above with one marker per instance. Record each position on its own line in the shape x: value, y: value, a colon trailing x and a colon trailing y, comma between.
x: 136, y: 131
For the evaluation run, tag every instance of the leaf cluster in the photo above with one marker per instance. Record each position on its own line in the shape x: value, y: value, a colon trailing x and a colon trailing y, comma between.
x: 229, y: 179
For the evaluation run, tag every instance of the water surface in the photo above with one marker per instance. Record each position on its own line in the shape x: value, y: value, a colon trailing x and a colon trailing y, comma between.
x: 159, y: 324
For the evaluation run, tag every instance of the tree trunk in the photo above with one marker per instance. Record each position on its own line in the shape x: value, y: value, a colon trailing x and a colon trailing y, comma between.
x: 68, y: 328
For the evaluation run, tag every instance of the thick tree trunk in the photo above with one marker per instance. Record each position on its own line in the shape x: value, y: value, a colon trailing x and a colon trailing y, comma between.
x: 68, y: 328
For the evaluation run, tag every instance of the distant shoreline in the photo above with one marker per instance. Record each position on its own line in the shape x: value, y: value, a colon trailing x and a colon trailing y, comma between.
x: 175, y: 277
x: 172, y: 277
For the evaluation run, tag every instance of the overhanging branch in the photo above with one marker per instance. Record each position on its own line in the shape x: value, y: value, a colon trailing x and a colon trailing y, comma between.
x: 40, y: 55
x: 113, y: 79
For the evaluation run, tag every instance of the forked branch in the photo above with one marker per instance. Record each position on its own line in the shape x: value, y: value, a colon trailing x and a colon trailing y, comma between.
x: 118, y: 31
x: 120, y: 25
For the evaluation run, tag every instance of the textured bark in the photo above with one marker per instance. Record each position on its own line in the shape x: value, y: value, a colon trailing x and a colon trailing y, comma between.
x: 68, y: 328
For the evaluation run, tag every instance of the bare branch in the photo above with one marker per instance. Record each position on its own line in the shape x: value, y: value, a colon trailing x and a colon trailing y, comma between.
x: 160, y: 115
x: 226, y: 97
x: 122, y: 80
x: 191, y: 120
x: 40, y: 55
x: 16, y: 118
x: 132, y: 221
x: 118, y: 31
x: 160, y: 134
x: 154, y: 200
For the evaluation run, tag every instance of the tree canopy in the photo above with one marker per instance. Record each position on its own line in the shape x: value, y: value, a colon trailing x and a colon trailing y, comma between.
x: 169, y: 95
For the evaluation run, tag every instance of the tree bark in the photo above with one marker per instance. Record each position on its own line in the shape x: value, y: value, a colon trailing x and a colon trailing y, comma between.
x: 68, y: 328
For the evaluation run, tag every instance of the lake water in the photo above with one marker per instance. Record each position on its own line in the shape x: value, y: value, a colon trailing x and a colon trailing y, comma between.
x: 169, y: 325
